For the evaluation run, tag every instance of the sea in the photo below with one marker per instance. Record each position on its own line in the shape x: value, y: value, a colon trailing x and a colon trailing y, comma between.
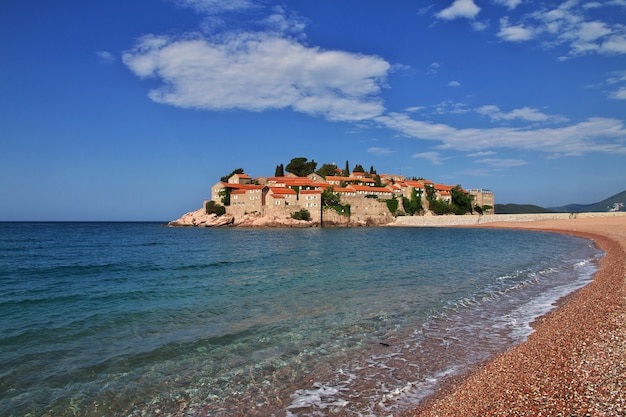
x: 140, y: 319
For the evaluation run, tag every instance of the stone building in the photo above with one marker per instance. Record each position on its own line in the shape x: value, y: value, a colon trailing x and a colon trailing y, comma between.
x: 483, y: 197
x: 284, y: 196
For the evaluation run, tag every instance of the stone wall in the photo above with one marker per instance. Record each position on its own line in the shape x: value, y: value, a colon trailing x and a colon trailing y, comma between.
x: 442, y: 221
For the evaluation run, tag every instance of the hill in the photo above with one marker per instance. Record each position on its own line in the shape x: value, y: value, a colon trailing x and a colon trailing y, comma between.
x: 613, y: 203
x: 520, y: 209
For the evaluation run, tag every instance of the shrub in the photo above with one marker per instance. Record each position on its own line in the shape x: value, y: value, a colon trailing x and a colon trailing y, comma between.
x: 303, y: 214
x: 212, y: 207
x: 392, y: 204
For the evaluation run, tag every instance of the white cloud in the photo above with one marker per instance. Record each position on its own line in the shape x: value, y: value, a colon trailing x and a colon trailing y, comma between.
x: 501, y: 163
x: 380, y: 151
x: 614, y: 45
x: 619, y: 94
x: 105, y: 57
x: 433, y: 68
x: 616, y: 77
x: 460, y: 9
x: 451, y: 107
x: 256, y: 71
x: 480, y: 26
x: 454, y: 84
x: 422, y: 11
x: 569, y: 24
x: 283, y: 22
x: 511, y: 4
x: 528, y: 114
x: 593, y: 135
x: 481, y: 154
x: 215, y: 6
x: 434, y: 157
x: 515, y: 33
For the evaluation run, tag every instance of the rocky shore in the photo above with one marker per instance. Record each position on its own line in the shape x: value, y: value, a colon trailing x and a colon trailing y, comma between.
x: 199, y: 218
x: 574, y: 364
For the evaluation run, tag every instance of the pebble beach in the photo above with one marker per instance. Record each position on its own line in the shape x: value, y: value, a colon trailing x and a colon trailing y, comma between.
x: 574, y: 364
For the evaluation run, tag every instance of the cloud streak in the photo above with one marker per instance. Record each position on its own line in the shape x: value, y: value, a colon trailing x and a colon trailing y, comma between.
x: 527, y: 114
x: 593, y: 135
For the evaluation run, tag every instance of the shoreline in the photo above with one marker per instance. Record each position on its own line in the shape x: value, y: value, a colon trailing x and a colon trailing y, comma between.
x: 574, y: 363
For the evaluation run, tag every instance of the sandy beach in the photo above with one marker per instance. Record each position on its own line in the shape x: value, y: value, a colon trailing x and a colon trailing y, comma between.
x: 574, y: 364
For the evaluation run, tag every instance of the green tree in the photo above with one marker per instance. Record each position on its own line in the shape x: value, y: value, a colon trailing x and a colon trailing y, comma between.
x: 225, y: 194
x: 372, y: 170
x: 358, y: 168
x: 378, y: 182
x: 236, y: 171
x: 280, y: 171
x: 430, y: 193
x: 414, y: 204
x: 461, y: 201
x: 212, y: 207
x: 326, y: 170
x: 441, y: 207
x: 301, y: 167
x: 346, y: 170
x: 330, y: 198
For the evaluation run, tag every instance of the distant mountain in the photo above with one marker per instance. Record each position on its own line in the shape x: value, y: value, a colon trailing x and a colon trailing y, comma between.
x: 614, y: 203
x: 519, y: 209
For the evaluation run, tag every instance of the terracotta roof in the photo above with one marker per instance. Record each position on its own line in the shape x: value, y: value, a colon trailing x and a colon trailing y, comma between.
x: 310, y: 192
x: 415, y: 184
x: 368, y: 188
x: 283, y: 191
x: 242, y: 186
x: 343, y: 190
x: 443, y: 187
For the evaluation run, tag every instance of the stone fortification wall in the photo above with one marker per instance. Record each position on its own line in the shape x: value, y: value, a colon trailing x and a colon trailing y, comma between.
x: 274, y: 211
x: 364, y: 212
x: 441, y: 221
x: 364, y: 208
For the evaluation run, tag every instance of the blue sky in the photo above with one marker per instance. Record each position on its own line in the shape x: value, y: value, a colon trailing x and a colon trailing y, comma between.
x: 131, y: 110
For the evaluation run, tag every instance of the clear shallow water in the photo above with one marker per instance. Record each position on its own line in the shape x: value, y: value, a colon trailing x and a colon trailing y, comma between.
x: 123, y: 319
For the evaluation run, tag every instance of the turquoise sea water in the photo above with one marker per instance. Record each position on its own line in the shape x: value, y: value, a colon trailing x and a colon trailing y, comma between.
x: 129, y: 319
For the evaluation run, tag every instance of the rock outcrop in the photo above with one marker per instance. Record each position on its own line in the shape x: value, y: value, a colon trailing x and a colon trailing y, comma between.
x: 256, y: 220
x: 199, y: 218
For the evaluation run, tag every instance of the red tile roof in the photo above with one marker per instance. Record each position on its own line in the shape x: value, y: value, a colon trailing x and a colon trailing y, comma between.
x: 283, y: 191
x: 335, y: 178
x: 370, y: 189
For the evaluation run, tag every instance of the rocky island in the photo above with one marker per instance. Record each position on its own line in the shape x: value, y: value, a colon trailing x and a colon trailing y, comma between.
x: 329, y: 197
